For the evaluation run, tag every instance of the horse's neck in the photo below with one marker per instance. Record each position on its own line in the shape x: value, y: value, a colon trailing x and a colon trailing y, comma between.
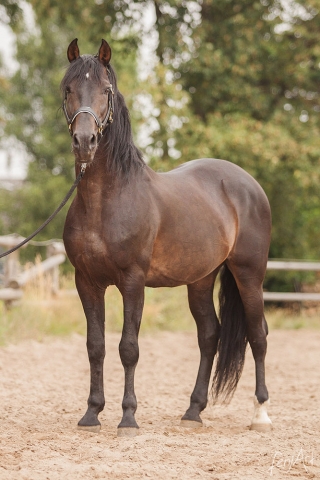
x: 102, y: 181
x: 97, y: 183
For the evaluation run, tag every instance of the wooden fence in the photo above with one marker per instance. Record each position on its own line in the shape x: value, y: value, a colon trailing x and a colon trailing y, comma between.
x: 14, y: 279
x: 292, y: 296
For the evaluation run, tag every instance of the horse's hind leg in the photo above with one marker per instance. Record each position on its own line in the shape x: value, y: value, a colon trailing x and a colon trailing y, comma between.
x: 249, y: 280
x: 200, y: 295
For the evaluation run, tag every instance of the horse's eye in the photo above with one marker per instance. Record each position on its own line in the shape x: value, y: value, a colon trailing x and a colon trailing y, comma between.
x: 68, y: 90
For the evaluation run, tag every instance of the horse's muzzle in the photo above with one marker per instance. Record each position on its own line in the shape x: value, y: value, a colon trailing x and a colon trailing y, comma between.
x: 84, y: 146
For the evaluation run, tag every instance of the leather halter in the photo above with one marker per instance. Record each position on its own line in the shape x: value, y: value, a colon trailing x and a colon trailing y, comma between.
x: 100, y: 124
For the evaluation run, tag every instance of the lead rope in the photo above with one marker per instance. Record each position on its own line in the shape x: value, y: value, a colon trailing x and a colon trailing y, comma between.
x: 62, y: 204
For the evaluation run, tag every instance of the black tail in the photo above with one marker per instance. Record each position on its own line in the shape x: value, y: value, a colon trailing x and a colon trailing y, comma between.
x: 233, y: 339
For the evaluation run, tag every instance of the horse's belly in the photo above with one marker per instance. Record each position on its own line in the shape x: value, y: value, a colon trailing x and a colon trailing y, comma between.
x: 183, y: 263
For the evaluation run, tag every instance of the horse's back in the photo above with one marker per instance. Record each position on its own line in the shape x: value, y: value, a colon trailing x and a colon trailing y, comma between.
x: 215, y: 173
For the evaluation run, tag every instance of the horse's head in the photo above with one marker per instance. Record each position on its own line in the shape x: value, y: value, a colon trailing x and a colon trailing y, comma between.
x: 88, y: 99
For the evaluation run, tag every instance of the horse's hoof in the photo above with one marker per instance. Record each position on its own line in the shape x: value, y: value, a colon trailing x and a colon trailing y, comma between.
x: 127, y: 431
x: 190, y: 424
x: 260, y: 421
x: 261, y: 427
x: 90, y: 428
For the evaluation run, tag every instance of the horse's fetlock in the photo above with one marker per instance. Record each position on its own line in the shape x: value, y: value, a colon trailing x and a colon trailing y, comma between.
x: 262, y: 396
x: 97, y: 402
x: 129, y: 403
x: 198, y: 402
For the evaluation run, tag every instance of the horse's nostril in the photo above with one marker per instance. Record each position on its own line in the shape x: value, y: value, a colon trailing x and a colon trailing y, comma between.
x: 93, y: 141
x: 83, y: 142
x: 76, y: 143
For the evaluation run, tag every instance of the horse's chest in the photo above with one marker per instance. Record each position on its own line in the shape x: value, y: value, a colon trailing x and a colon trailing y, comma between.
x: 82, y: 244
x: 91, y: 249
x: 94, y: 245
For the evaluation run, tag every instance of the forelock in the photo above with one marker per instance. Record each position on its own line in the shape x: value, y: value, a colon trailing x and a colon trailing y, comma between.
x: 78, y: 70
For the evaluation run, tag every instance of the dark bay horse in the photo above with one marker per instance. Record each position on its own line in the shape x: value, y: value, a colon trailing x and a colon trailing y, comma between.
x: 132, y: 227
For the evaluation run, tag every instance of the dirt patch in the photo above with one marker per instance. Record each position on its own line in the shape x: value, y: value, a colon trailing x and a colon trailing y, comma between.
x: 44, y: 387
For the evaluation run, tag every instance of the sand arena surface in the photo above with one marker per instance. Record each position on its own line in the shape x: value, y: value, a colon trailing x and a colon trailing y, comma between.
x: 44, y: 388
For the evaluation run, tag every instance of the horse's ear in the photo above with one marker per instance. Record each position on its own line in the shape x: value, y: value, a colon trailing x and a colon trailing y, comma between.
x: 104, y: 54
x: 73, y: 50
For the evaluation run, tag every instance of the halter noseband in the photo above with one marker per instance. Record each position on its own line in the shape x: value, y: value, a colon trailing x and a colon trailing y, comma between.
x: 101, y: 125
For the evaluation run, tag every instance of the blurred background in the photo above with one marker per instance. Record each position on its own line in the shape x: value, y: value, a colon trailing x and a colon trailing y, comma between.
x: 223, y: 79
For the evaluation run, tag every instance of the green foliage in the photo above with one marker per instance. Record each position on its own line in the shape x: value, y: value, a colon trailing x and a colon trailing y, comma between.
x: 39, y: 202
x: 12, y: 10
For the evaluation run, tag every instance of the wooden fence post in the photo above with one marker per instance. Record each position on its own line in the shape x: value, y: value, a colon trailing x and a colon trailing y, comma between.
x: 11, y: 267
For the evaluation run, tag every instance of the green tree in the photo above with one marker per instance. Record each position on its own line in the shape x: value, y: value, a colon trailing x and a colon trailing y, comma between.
x: 12, y: 10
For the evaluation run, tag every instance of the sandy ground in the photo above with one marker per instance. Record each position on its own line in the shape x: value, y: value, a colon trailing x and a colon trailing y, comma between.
x: 44, y: 387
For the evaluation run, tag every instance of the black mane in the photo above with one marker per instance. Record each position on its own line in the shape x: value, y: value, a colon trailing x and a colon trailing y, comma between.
x: 117, y: 144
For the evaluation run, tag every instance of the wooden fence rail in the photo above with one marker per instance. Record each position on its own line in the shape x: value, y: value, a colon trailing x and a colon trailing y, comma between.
x: 37, y: 270
x: 292, y: 265
x: 292, y: 296
x: 10, y: 294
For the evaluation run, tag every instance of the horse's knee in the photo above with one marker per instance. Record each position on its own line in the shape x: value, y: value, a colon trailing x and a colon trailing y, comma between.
x: 129, y: 351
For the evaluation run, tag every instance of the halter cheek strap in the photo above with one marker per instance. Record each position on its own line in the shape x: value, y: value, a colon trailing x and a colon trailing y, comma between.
x: 101, y: 125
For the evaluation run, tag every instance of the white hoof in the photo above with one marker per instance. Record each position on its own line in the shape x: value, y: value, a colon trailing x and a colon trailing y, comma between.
x: 260, y: 420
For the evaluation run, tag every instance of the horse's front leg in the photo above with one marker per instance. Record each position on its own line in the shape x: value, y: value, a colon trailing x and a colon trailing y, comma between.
x: 92, y: 298
x: 132, y: 290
